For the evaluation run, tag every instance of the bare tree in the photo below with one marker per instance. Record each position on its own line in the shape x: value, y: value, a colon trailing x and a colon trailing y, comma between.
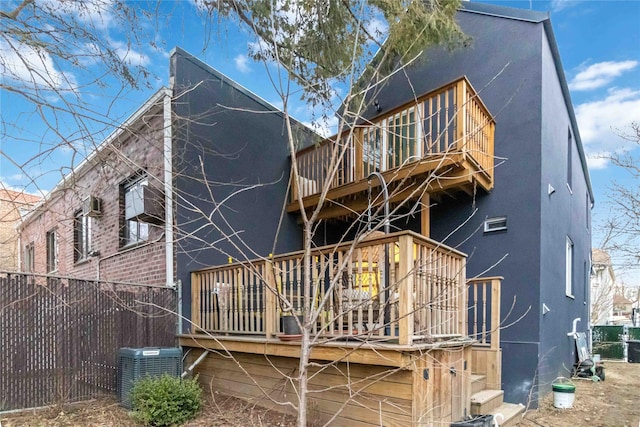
x: 622, y: 228
x: 316, y: 46
x: 65, y: 65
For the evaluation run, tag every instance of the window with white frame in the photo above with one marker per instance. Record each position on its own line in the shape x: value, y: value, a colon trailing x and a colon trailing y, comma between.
x: 81, y: 236
x: 52, y: 251
x: 402, y: 138
x: 132, y: 230
x: 569, y: 268
x: 29, y: 258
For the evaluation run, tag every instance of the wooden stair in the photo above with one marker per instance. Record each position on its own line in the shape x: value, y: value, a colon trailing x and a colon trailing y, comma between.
x: 487, y: 401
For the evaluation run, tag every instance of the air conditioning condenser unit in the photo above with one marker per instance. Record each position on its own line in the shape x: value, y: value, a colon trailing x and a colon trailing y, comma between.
x: 136, y: 363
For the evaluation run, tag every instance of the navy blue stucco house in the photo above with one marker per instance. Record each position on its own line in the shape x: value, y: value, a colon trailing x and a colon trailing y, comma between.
x: 482, y: 141
x: 527, y: 220
x: 542, y: 190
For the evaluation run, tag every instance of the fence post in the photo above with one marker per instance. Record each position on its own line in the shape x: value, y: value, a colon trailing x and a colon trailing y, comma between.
x: 405, y: 289
x: 271, y: 306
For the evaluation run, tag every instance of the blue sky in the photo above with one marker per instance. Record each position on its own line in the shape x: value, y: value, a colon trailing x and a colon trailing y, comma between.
x: 599, y: 43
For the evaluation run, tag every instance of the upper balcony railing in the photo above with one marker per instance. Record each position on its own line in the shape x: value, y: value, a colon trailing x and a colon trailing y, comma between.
x: 448, y: 126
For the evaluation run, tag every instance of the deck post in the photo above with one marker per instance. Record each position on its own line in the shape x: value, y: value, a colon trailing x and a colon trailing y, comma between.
x: 461, y: 115
x: 405, y: 290
x: 495, y: 313
x: 196, y: 315
x: 425, y: 215
x: 463, y: 295
x: 271, y: 306
x: 359, y: 153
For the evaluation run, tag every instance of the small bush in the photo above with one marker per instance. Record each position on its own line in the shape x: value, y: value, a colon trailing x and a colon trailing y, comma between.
x: 165, y: 400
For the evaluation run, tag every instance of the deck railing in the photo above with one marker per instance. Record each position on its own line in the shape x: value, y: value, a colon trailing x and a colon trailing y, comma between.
x: 451, y: 120
x: 484, y: 311
x: 421, y: 295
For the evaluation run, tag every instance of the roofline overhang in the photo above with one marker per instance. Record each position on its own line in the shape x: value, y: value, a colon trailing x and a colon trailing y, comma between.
x: 84, y: 166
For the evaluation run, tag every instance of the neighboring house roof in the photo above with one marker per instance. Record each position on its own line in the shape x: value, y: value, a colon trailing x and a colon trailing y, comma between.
x: 601, y: 260
x: 601, y: 257
x: 18, y: 197
x: 540, y: 17
x: 619, y: 299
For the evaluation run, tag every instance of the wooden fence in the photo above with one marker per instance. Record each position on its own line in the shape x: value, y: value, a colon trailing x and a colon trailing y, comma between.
x: 59, y: 337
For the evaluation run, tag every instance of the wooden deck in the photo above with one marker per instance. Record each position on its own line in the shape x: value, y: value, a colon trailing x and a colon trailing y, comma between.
x: 441, y: 142
x: 394, y: 354
x: 351, y: 383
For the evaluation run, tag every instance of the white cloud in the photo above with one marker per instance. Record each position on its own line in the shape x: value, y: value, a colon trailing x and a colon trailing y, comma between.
x: 242, y: 63
x: 4, y: 185
x: 95, y: 13
x: 24, y: 64
x: 600, y: 74
x: 557, y: 5
x: 128, y: 55
x: 602, y: 121
x: 598, y: 161
x: 326, y: 127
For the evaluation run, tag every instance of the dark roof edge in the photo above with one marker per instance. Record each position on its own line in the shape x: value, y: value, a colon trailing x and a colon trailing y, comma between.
x: 504, y: 12
x: 226, y: 79
x: 543, y: 18
x: 567, y: 98
x: 234, y: 84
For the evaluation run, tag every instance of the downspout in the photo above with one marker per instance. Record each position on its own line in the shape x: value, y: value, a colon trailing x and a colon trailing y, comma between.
x: 19, y: 249
x: 168, y: 203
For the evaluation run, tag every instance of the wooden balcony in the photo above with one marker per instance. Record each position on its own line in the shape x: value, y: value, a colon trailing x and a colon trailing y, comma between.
x: 443, y: 141
x: 427, y: 297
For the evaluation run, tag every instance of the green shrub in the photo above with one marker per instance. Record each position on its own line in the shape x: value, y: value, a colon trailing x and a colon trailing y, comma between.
x: 165, y: 400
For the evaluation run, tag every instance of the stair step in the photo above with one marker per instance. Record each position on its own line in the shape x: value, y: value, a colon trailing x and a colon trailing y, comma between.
x: 511, y: 412
x: 478, y: 383
x: 486, y: 401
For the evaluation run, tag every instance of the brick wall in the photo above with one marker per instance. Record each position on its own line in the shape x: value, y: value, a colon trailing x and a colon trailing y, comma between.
x: 138, y: 148
x: 11, y: 203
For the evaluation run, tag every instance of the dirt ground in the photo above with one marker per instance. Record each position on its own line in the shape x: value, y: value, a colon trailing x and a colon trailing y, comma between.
x: 612, y: 403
